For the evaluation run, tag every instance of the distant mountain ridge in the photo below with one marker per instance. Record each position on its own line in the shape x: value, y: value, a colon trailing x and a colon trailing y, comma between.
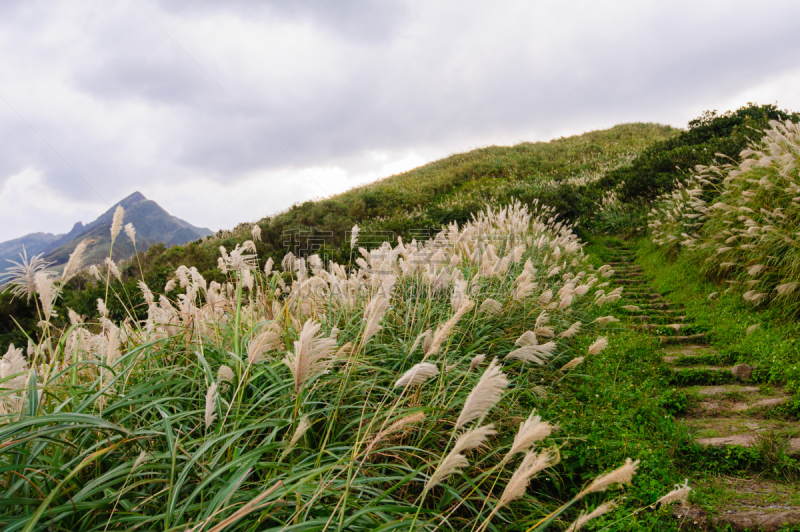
x: 153, y: 225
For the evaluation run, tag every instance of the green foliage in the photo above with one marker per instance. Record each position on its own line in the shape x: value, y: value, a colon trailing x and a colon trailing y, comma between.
x: 667, y: 162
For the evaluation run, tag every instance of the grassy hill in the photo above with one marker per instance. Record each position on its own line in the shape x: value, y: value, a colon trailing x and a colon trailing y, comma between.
x: 477, y: 378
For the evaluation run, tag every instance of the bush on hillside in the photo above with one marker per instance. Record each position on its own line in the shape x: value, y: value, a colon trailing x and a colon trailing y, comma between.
x: 742, y: 220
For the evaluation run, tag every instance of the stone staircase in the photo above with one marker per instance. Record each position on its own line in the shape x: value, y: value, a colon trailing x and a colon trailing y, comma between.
x: 726, y: 408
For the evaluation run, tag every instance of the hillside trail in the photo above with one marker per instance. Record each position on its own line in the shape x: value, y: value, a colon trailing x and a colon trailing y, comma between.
x: 727, y: 410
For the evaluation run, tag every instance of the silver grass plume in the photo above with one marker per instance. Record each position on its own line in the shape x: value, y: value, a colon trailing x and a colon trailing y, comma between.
x: 476, y: 361
x: 113, y: 268
x: 572, y: 331
x: 533, y: 353
x: 680, y: 493
x: 22, y: 274
x: 530, y: 466
x: 621, y: 475
x: 455, y: 460
x: 443, y: 331
x: 485, y: 395
x: 224, y: 377
x: 302, y: 426
x: 13, y: 363
x: 631, y: 308
x: 75, y: 261
x: 374, y: 312
x: 211, y: 404
x: 394, y: 427
x: 267, y: 340
x: 101, y: 308
x: 94, y: 272
x: 575, y: 362
x: 597, y: 347
x: 131, y: 232
x: 116, y: 224
x: 256, y: 233
x: 74, y: 317
x: 147, y: 294
x: 527, y: 338
x: 312, y: 355
x: 354, y: 236
x: 752, y: 328
x: 47, y: 292
x: 421, y: 338
x: 605, y: 320
x: 490, y: 307
x: 584, y: 518
x: 530, y: 431
x: 418, y: 374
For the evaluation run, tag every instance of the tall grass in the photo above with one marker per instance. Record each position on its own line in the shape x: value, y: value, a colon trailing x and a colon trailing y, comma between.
x: 741, y: 220
x: 382, y: 397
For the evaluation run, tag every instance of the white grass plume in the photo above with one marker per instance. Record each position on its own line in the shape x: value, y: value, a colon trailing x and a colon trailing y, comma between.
x: 597, y: 347
x: 490, y: 307
x: 572, y: 331
x: 679, y: 494
x: 312, y: 355
x: 130, y: 230
x: 21, y: 276
x: 485, y: 395
x: 47, y: 293
x: 476, y: 361
x: 533, y: 353
x: 75, y: 262
x: 584, y: 518
x: 631, y: 308
x: 605, y: 320
x: 443, y: 331
x: 302, y: 426
x: 575, y: 362
x: 530, y: 466
x: 113, y: 268
x: 418, y: 374
x: 354, y: 236
x: 621, y: 475
x: 421, y: 338
x: 116, y: 224
x: 530, y: 431
x: 255, y: 232
x: 211, y: 404
x: 527, y: 338
x: 455, y: 460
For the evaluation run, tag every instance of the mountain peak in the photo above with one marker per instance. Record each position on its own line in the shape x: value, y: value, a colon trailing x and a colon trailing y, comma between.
x: 134, y: 198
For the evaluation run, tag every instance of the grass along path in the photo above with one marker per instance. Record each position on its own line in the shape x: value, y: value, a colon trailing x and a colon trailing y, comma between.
x: 740, y: 458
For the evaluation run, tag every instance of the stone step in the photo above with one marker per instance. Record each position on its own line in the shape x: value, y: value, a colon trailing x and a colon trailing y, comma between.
x: 745, y: 504
x: 694, y: 354
x: 646, y: 317
x: 663, y: 305
x: 653, y: 326
x: 631, y: 282
x: 726, y: 400
x: 690, y: 339
x: 743, y: 432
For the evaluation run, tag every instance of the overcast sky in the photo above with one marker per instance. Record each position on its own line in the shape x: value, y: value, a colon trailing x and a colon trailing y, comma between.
x: 225, y: 112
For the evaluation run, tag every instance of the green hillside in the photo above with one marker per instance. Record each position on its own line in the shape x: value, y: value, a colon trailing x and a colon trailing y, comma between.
x: 591, y: 332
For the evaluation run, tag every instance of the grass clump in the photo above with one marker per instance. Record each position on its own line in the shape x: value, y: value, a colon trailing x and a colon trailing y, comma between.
x: 385, y: 396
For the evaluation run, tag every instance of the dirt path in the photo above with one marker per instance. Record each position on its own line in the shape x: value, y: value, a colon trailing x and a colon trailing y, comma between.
x: 726, y: 408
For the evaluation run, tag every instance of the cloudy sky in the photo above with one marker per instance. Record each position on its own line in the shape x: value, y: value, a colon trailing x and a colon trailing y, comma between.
x: 225, y: 112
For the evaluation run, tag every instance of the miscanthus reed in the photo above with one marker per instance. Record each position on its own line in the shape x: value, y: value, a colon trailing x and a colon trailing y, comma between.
x: 317, y: 396
x: 741, y: 220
